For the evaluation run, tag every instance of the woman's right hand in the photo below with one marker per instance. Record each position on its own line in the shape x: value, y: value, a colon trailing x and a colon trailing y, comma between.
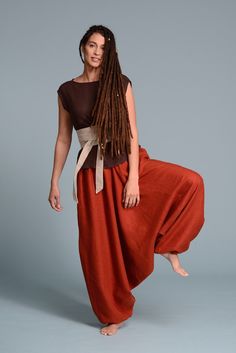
x: 62, y: 147
x: 54, y: 198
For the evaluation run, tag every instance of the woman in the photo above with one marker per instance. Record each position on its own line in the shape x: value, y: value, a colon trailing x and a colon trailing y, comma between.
x: 129, y: 206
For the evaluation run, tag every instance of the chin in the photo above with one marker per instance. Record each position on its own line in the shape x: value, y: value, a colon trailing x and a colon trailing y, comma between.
x: 95, y: 64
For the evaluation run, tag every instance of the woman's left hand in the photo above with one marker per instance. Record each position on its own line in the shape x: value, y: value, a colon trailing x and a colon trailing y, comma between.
x: 131, y: 195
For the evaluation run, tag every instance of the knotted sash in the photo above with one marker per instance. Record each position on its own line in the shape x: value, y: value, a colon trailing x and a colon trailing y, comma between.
x: 87, y: 139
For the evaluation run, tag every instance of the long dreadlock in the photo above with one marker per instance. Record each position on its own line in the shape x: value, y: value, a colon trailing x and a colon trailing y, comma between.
x: 110, y: 112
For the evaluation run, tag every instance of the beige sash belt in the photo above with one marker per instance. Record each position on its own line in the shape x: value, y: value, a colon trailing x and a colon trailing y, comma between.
x: 87, y: 139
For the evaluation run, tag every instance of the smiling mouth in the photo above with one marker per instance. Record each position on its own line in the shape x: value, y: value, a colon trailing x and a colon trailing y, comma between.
x: 95, y: 59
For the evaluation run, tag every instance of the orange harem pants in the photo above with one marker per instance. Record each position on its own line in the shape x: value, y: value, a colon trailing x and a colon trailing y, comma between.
x: 117, y: 244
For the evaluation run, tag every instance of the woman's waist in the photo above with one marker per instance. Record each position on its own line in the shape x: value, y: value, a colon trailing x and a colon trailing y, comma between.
x: 109, y: 161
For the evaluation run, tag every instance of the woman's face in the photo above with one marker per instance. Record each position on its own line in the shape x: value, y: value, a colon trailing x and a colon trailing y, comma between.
x: 93, y: 51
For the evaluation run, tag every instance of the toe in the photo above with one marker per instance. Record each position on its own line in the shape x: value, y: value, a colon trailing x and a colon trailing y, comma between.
x: 184, y: 273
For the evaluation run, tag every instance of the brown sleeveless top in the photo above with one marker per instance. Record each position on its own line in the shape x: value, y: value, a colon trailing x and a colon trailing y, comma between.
x: 78, y: 98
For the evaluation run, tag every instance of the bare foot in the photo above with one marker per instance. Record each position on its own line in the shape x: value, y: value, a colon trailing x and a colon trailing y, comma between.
x: 111, y: 329
x: 174, y: 260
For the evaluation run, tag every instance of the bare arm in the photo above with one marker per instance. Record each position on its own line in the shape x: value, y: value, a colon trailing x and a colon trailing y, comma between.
x: 134, y: 155
x: 131, y: 195
x: 62, y: 147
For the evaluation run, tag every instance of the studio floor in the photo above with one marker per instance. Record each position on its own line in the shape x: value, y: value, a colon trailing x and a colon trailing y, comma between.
x: 172, y: 314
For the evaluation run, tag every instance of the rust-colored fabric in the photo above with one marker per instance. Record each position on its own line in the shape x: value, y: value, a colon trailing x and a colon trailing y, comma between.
x: 117, y: 244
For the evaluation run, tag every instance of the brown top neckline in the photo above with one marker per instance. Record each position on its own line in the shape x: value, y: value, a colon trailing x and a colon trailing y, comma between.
x: 81, y: 83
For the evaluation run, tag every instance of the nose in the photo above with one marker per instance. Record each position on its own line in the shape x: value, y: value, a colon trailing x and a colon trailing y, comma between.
x: 97, y: 51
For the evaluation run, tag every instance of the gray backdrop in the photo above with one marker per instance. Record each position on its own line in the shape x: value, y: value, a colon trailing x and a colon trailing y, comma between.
x: 180, y: 57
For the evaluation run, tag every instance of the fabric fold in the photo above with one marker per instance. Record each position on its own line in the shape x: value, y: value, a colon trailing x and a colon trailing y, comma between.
x: 87, y: 139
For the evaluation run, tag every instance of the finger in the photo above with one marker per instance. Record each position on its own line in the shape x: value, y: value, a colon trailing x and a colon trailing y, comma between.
x: 58, y: 202
x: 126, y: 201
x: 124, y: 195
x: 133, y: 201
x: 137, y: 200
x: 129, y: 202
x: 51, y: 201
x: 57, y: 205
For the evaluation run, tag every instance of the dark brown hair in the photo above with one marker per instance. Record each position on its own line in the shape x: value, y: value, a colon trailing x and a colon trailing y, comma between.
x: 110, y: 112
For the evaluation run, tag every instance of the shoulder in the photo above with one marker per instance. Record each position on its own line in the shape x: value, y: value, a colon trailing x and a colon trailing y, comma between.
x: 126, y: 80
x: 64, y: 85
x: 64, y: 93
